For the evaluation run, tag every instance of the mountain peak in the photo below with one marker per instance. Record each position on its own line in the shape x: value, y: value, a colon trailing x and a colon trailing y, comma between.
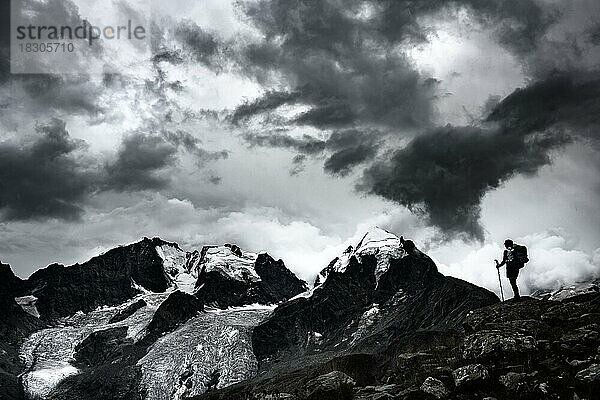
x: 377, y: 242
x: 378, y: 237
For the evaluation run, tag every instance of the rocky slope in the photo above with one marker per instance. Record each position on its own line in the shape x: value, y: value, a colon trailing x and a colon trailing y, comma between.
x: 369, y: 296
x: 534, y: 349
x: 138, y: 319
x: 15, y: 325
x: 382, y: 323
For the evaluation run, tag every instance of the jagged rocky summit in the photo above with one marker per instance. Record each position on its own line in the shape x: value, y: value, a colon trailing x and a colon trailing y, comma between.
x: 147, y: 318
x: 367, y: 299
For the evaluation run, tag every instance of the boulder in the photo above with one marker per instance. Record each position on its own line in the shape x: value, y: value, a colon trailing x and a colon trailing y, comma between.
x: 383, y: 392
x: 470, y: 374
x: 332, y: 386
x: 495, y: 344
x: 517, y: 382
x: 435, y: 387
x: 581, y: 341
x: 590, y: 375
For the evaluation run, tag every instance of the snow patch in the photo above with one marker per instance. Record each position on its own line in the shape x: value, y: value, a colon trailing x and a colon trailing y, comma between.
x: 237, y: 266
x: 246, y: 307
x: 39, y: 383
x: 174, y: 264
x: 366, y: 320
x: 27, y: 303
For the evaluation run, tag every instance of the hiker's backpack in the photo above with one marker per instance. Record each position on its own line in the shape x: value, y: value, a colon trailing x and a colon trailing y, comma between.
x: 520, y: 254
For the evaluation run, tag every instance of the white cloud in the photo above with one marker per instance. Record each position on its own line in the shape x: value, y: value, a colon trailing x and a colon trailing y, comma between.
x: 554, y: 261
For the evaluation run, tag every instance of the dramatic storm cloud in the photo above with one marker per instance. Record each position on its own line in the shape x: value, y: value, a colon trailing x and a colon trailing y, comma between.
x: 139, y: 162
x: 344, y: 58
x: 50, y: 177
x: 43, y: 179
x: 446, y: 172
x: 343, y: 65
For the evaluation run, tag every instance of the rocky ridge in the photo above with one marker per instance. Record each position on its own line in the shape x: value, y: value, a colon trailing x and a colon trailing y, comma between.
x: 99, y: 329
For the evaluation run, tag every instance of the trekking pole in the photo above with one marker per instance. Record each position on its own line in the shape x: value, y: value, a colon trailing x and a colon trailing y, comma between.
x: 500, y: 282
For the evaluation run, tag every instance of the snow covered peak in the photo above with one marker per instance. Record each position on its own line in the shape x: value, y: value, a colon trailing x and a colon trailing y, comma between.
x: 377, y: 237
x: 379, y: 242
x: 229, y: 260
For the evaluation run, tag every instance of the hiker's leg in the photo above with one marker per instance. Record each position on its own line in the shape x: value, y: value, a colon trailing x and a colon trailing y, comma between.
x: 515, y: 288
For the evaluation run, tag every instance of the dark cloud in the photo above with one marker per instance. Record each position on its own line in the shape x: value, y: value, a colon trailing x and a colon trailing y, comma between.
x: 446, y: 172
x: 518, y: 24
x: 268, y: 102
x: 343, y: 58
x: 345, y: 148
x: 70, y: 93
x: 571, y: 100
x: 215, y: 180
x: 342, y: 67
x: 140, y: 163
x: 143, y: 160
x: 305, y: 144
x: 203, y: 45
x: 177, y: 42
x: 192, y: 145
x: 298, y: 164
x: 44, y: 178
x: 342, y: 161
x: 350, y: 148
x: 593, y: 35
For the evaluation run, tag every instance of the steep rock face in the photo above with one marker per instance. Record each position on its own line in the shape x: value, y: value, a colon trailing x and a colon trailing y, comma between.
x: 367, y: 298
x: 175, y: 310
x: 9, y: 283
x: 15, y: 325
x: 107, y: 279
x: 279, y: 282
x: 229, y: 277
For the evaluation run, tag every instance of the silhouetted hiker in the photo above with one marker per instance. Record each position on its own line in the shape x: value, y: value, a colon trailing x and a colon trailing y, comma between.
x: 515, y: 257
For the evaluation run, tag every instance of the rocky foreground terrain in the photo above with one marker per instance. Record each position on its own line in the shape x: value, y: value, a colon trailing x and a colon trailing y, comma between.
x: 151, y: 321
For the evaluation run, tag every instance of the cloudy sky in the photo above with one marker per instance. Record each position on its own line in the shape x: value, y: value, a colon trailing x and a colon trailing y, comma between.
x: 293, y: 126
